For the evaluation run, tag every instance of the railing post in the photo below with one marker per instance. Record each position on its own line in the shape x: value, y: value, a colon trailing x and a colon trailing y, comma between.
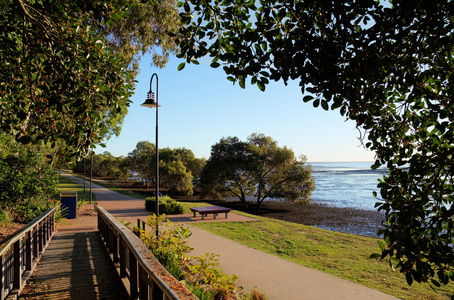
x: 2, y: 279
x: 101, y: 226
x: 28, y: 251
x: 156, y: 293
x: 133, y: 284
x: 138, y: 227
x: 122, y: 260
x: 40, y: 239
x: 17, y: 265
x: 44, y: 234
x: 107, y: 238
x: 111, y: 243
x: 48, y: 230
x: 35, y: 243
x: 53, y: 223
x: 115, y: 248
x: 143, y: 285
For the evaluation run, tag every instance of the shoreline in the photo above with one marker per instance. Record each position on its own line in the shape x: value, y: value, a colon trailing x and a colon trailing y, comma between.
x: 348, y: 220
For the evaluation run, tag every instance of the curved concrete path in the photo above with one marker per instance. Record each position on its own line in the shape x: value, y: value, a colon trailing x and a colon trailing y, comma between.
x: 274, y: 276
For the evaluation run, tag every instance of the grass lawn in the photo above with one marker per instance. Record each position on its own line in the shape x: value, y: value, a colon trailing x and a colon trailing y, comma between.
x: 340, y: 254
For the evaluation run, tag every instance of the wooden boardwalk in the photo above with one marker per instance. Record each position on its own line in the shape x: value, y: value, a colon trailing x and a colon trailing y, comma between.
x: 75, y: 266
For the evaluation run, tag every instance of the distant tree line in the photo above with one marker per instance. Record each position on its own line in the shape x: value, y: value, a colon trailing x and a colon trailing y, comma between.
x: 178, y: 168
x: 256, y: 168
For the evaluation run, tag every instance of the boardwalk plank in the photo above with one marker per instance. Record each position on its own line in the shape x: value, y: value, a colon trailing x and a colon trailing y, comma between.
x: 75, y: 266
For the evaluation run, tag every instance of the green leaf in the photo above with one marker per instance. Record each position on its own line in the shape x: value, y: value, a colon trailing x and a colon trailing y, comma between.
x: 409, y: 278
x: 324, y: 105
x: 186, y: 7
x: 181, y: 66
x: 376, y: 165
x: 242, y: 83
x: 375, y: 256
x: 435, y: 282
x: 254, y: 80
x: 308, y: 98
x: 381, y: 245
x: 215, y: 65
x: 343, y: 110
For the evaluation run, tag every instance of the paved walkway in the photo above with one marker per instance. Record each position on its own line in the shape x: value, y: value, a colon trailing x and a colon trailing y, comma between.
x: 276, y: 277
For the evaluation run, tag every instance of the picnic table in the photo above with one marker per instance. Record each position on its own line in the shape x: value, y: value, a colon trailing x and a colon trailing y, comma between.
x: 215, y: 210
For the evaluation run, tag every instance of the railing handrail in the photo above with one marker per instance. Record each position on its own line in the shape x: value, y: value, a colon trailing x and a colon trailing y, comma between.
x: 136, y: 246
x: 30, y: 226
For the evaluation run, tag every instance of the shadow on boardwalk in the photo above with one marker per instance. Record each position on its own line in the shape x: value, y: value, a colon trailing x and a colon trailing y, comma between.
x: 75, y: 266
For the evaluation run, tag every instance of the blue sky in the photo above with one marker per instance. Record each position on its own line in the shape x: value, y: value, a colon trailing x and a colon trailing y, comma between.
x: 199, y: 106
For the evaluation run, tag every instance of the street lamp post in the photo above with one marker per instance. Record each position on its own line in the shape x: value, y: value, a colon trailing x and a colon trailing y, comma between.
x: 151, y: 103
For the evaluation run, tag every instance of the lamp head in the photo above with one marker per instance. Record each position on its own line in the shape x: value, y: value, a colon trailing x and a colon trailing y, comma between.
x: 150, y: 101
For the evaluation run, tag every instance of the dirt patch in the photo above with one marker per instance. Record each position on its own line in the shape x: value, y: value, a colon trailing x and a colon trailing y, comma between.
x: 8, y: 231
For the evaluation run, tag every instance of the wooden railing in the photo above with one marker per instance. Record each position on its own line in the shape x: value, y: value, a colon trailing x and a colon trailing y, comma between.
x: 20, y: 255
x: 144, y: 277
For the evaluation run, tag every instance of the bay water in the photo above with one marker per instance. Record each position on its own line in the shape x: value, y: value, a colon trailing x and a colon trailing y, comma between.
x: 346, y: 184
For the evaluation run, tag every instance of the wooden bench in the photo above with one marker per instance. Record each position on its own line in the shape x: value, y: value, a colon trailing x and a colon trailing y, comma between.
x: 215, y: 210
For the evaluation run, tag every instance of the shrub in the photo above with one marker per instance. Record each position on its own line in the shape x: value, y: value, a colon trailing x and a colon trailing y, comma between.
x: 27, y: 180
x: 167, y: 205
x: 5, y: 217
x: 26, y: 212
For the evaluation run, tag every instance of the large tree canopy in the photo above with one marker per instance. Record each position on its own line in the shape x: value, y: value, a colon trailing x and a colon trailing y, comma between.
x: 257, y: 168
x: 68, y: 67
x: 142, y: 161
x: 389, y: 66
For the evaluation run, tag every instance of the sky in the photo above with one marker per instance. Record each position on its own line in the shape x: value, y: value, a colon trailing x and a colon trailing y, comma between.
x: 199, y: 106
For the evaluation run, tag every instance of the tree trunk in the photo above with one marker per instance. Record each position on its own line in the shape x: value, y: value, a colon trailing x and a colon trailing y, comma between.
x: 243, y: 199
x: 259, y: 195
